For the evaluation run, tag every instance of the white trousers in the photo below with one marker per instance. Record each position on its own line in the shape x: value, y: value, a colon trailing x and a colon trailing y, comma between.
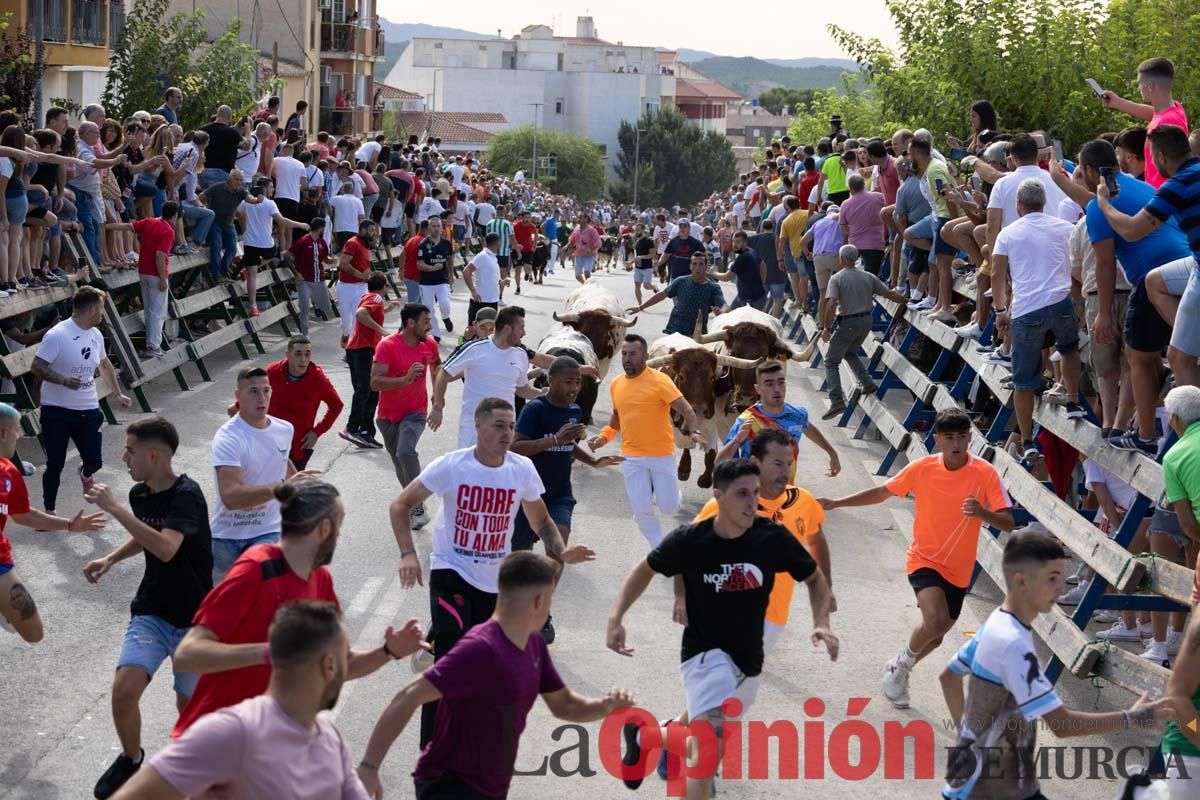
x: 437, y: 298
x: 553, y: 257
x: 348, y: 295
x: 651, y: 481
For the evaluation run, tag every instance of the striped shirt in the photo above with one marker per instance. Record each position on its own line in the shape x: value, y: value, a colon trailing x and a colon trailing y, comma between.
x: 504, y: 229
x: 1179, y: 197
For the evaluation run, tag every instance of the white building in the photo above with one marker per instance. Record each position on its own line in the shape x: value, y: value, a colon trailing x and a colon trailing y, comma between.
x: 576, y: 84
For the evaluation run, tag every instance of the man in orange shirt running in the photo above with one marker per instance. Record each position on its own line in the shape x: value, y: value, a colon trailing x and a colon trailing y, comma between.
x: 956, y: 494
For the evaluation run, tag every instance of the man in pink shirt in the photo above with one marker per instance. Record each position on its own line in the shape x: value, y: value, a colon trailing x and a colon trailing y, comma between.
x: 862, y: 224
x: 584, y: 243
x: 273, y: 745
x: 1155, y: 77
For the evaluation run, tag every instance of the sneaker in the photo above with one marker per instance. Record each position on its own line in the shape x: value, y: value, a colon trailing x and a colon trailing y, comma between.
x: 1174, y: 640
x: 1105, y: 616
x: 3, y: 293
x: 1130, y: 442
x: 418, y: 518
x: 835, y: 410
x: 254, y: 312
x: 869, y: 388
x: 147, y: 355
x: 28, y: 469
x: 1080, y: 574
x: 895, y: 683
x: 984, y: 349
x: 922, y: 305
x: 370, y: 441
x: 548, y: 630
x: 1074, y: 410
x: 969, y: 331
x: 353, y: 438
x: 450, y: 325
x: 88, y: 481
x: 1145, y: 629
x: 1075, y: 595
x: 420, y: 661
x: 999, y: 357
x: 116, y: 775
x: 1119, y: 633
x: 633, y: 752
x: 1157, y: 652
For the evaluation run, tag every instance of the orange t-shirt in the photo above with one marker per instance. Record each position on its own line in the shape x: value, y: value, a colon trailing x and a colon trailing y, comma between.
x: 797, y: 510
x: 643, y: 408
x: 945, y: 539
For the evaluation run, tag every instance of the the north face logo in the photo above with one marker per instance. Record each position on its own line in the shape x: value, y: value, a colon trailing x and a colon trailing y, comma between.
x: 736, y: 578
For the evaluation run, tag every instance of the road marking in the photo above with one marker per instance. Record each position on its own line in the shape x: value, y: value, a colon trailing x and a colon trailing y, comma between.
x: 371, y: 636
x: 363, y: 599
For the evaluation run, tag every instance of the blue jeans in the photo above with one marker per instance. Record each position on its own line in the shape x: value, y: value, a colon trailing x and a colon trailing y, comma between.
x: 209, y: 176
x: 63, y: 425
x: 414, y: 290
x: 202, y: 219
x: 222, y: 247
x: 1029, y: 337
x: 149, y: 641
x: 85, y: 207
x: 227, y: 551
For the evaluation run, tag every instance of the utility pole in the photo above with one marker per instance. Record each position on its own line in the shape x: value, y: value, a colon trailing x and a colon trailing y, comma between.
x: 637, y: 154
x: 536, y: 106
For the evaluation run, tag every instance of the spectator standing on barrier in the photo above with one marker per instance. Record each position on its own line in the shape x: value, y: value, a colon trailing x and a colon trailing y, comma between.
x: 308, y: 254
x: 156, y: 235
x: 911, y: 277
x: 167, y: 519
x: 860, y: 217
x: 1035, y: 252
x: 348, y: 214
x: 1155, y: 79
x: 277, y: 744
x: 354, y: 268
x: 849, y: 301
x: 262, y: 242
x: 66, y: 363
x: 85, y: 185
x: 403, y: 360
x: 360, y: 353
x: 936, y: 181
x: 221, y: 155
x: 225, y: 199
x: 290, y: 186
x: 298, y: 388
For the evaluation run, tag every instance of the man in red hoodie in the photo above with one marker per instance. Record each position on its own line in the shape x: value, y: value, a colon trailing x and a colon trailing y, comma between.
x: 298, y: 387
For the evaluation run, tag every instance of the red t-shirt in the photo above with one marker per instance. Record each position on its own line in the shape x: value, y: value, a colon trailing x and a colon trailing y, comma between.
x: 155, y: 235
x: 360, y: 258
x: 412, y: 272
x: 1175, y: 115
x: 14, y: 499
x: 805, y: 188
x: 396, y: 404
x: 239, y: 610
x: 524, y: 232
x: 363, y: 337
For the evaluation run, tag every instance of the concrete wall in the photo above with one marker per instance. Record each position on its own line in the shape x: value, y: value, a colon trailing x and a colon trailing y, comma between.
x: 82, y: 85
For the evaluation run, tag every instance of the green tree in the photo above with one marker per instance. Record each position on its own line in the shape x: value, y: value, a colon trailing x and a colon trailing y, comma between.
x: 688, y: 163
x: 621, y: 190
x: 20, y: 72
x: 859, y: 109
x: 153, y: 52
x: 798, y: 101
x: 223, y: 73
x: 579, y: 166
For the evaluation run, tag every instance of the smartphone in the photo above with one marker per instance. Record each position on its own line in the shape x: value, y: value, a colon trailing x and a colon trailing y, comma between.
x: 1058, y: 150
x: 977, y: 182
x: 939, y: 185
x: 1109, y: 174
x: 1095, y: 87
x: 966, y: 195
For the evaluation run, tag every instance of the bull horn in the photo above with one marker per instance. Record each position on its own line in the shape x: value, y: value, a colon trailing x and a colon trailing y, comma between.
x: 659, y: 361
x: 629, y: 323
x: 709, y: 338
x: 738, y: 363
x: 805, y: 356
x: 565, y: 317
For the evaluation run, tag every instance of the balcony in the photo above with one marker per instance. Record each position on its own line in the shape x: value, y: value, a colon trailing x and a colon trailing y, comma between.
x: 379, y: 44
x: 339, y: 37
x: 54, y: 19
x: 87, y: 23
x: 116, y: 21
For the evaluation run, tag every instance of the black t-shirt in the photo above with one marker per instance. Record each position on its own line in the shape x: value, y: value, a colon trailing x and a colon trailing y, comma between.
x: 223, y: 141
x: 541, y: 418
x: 46, y: 176
x: 172, y: 590
x: 749, y: 281
x: 680, y: 252
x: 642, y: 251
x: 727, y: 583
x: 437, y: 255
x: 764, y: 245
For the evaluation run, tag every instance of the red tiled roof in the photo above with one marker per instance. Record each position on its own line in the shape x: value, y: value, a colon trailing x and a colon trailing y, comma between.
x: 668, y: 56
x: 449, y: 131
x: 705, y: 90
x: 392, y: 93
x: 468, y: 117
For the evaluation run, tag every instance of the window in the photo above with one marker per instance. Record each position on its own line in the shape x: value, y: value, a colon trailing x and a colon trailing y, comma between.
x: 510, y: 61
x: 560, y: 62
x: 326, y: 75
x: 437, y: 45
x: 757, y: 133
x: 558, y: 106
x: 339, y: 10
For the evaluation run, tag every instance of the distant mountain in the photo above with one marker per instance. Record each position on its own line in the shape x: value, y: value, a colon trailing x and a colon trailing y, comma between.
x: 750, y: 77
x: 688, y: 56
x: 846, y: 64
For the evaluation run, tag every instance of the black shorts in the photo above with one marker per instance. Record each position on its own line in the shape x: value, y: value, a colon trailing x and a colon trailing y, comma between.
x: 449, y: 787
x: 290, y: 209
x: 253, y: 256
x: 523, y: 258
x: 1145, y: 330
x: 473, y: 308
x: 502, y: 261
x: 341, y: 237
x: 925, y: 578
x: 387, y: 236
x: 410, y: 210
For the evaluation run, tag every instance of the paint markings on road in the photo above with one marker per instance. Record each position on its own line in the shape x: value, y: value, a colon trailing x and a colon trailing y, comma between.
x: 370, y: 637
x: 362, y: 600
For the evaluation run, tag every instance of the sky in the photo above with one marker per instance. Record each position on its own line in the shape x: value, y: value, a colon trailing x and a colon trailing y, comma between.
x: 669, y: 25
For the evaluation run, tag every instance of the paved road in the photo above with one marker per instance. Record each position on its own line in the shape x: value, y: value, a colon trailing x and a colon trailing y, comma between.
x: 55, y: 695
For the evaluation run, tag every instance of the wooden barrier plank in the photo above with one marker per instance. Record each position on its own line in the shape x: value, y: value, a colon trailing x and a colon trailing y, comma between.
x: 913, y: 379
x: 169, y: 360
x: 187, y: 306
x: 20, y: 362
x: 270, y: 317
x: 121, y: 278
x: 31, y: 299
x: 213, y: 341
x: 1138, y: 470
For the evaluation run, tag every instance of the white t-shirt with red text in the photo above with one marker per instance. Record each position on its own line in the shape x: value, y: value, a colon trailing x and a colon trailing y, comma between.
x: 472, y: 533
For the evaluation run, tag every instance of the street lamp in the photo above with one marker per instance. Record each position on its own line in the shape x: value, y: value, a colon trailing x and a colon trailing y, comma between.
x: 637, y: 153
x: 533, y: 162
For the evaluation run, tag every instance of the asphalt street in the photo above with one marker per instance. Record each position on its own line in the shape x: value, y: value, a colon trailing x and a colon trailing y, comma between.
x: 55, y: 695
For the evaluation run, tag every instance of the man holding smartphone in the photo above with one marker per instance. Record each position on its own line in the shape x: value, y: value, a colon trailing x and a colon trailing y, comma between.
x: 1155, y: 77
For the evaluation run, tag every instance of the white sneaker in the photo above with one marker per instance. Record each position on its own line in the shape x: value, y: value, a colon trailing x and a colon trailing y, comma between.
x: 1174, y: 640
x: 1156, y: 652
x: 1079, y: 575
x: 418, y: 518
x: 1105, y: 616
x: 1145, y: 629
x: 1076, y: 594
x: 895, y: 683
x: 969, y: 331
x: 1119, y: 633
x: 924, y: 305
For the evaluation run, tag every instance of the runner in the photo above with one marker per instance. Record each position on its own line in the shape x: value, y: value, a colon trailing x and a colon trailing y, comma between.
x: 773, y: 411
x: 548, y: 433
x: 360, y: 353
x: 643, y: 262
x: 642, y: 401
x: 402, y: 361
x: 525, y: 236
x: 1008, y: 694
x: 495, y: 366
x: 500, y: 226
x: 354, y: 267
x: 276, y: 745
x: 728, y: 565
x: 694, y: 297
x: 434, y: 259
x: 583, y: 246
x: 167, y: 519
x: 677, y: 255
x: 482, y: 277
x: 955, y: 493
x: 474, y: 747
x: 18, y: 611
x: 298, y: 388
x: 226, y: 644
x: 481, y: 488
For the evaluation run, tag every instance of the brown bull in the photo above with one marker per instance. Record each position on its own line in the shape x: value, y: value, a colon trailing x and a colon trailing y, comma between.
x: 747, y: 341
x: 603, y: 329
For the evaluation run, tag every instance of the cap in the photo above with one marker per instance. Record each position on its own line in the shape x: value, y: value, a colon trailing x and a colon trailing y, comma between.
x: 485, y: 314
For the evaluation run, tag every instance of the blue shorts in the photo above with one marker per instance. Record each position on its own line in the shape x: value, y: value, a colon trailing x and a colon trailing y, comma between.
x: 1182, y: 278
x: 560, y: 509
x: 227, y: 551
x: 1029, y: 337
x: 789, y: 261
x: 17, y: 207
x: 584, y: 264
x: 776, y: 290
x: 940, y: 246
x: 149, y: 641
